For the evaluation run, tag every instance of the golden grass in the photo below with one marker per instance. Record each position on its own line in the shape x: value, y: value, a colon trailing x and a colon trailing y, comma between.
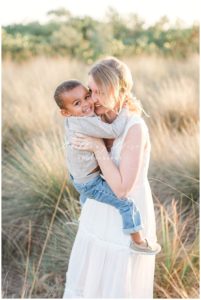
x: 34, y: 169
x: 177, y: 266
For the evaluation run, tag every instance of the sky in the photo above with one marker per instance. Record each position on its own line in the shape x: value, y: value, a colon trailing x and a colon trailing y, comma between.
x: 18, y: 11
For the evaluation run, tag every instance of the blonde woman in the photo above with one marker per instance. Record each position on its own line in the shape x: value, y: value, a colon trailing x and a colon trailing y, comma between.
x: 101, y: 265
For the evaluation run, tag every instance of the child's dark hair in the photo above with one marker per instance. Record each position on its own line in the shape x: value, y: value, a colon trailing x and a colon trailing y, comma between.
x: 65, y: 86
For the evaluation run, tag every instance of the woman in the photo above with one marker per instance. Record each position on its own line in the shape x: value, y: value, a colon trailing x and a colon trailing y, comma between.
x: 101, y: 265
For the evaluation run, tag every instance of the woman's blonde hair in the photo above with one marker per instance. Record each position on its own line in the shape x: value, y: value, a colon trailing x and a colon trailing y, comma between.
x: 115, y: 80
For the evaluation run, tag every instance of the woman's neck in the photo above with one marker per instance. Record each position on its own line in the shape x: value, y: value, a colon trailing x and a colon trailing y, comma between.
x: 109, y: 117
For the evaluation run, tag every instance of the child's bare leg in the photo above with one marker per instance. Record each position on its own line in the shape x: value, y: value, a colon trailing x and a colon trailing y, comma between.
x: 137, y: 237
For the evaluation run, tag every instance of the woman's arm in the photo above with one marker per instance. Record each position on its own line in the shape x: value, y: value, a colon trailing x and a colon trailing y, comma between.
x: 121, y: 179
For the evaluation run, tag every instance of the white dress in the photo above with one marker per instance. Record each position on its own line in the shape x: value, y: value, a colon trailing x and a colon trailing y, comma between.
x: 101, y: 265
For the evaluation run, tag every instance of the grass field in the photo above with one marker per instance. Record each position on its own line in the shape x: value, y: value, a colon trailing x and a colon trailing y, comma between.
x: 40, y: 212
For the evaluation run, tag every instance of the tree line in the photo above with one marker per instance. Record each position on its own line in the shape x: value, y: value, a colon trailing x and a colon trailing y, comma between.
x: 87, y: 39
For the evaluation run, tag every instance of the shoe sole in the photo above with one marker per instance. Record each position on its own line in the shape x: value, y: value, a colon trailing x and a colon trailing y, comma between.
x: 144, y: 252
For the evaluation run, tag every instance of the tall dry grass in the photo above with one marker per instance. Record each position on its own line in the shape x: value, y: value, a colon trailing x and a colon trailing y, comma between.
x: 40, y: 212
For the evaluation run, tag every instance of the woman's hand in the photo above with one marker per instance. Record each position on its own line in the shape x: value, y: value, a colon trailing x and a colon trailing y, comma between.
x: 87, y: 143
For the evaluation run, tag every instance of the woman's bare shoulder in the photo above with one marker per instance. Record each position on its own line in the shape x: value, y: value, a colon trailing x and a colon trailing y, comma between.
x: 135, y: 119
x: 136, y: 130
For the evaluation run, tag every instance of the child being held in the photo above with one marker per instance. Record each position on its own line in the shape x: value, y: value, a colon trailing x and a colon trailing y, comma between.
x: 76, y: 105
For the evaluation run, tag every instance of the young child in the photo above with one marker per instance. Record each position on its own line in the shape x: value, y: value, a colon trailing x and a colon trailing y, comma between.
x: 76, y: 105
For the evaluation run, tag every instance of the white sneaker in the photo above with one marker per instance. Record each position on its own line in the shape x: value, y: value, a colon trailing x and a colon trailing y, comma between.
x: 145, y: 248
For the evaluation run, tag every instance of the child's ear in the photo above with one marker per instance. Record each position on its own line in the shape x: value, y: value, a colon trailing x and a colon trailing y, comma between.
x: 65, y: 113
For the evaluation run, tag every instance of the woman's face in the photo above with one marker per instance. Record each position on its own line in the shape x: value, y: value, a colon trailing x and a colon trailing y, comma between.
x: 98, y: 97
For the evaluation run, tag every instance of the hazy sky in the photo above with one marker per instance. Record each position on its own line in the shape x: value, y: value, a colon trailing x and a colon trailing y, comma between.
x: 150, y: 10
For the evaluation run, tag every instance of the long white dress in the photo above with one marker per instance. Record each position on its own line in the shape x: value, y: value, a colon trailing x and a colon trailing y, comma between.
x: 101, y: 264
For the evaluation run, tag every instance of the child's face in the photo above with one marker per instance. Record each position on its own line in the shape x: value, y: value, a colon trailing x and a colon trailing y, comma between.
x: 77, y: 103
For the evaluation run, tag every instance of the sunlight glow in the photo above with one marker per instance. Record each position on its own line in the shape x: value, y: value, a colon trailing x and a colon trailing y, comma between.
x: 18, y: 11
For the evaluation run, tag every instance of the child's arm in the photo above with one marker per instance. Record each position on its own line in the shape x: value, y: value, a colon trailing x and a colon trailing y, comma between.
x: 93, y: 126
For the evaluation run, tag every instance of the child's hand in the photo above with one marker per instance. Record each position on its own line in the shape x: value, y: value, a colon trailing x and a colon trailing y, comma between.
x: 87, y: 143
